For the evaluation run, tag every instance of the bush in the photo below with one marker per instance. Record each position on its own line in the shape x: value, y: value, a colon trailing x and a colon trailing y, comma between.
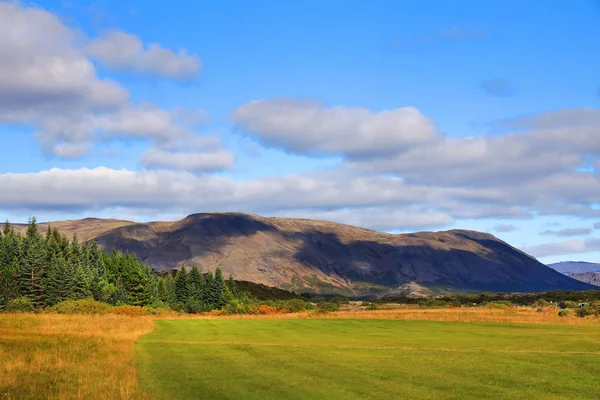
x: 585, y: 311
x: 372, y: 306
x: 567, y: 304
x: 327, y: 307
x: 563, y: 313
x: 85, y: 306
x: 130, y: 311
x: 498, y: 304
x: 19, y: 305
x: 295, y: 305
x: 339, y: 300
x: 267, y: 310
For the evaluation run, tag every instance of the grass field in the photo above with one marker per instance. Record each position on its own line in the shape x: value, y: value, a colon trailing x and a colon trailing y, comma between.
x: 399, y: 354
x: 69, y: 357
x: 368, y: 359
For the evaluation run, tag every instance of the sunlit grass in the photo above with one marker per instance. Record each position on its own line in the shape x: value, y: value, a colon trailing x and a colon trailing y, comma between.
x: 343, y: 358
x: 69, y: 357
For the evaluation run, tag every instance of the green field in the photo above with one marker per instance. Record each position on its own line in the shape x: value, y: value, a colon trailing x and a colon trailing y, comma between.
x: 368, y: 359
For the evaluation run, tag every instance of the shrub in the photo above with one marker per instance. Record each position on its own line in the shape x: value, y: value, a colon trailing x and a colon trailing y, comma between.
x: 563, y: 313
x: 85, y: 306
x: 193, y: 306
x: 267, y: 310
x: 130, y: 311
x: 585, y: 311
x: 567, y: 304
x: 19, y: 305
x: 372, y: 306
x: 327, y: 307
x: 295, y: 305
x: 339, y: 300
x: 498, y: 304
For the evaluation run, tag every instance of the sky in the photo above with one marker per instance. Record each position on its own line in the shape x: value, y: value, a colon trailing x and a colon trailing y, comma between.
x: 397, y: 116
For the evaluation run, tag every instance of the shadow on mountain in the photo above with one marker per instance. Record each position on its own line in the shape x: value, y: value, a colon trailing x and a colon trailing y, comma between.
x: 499, y: 268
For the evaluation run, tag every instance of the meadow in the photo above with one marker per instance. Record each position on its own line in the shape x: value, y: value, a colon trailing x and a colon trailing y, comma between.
x: 405, y: 354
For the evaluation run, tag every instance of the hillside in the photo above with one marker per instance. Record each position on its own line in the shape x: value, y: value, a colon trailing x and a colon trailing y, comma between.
x: 327, y: 257
x: 570, y: 267
x: 86, y: 229
x: 593, y: 278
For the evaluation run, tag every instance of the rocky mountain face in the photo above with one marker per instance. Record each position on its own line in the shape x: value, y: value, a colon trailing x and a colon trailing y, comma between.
x: 593, y: 278
x: 570, y: 267
x: 327, y: 257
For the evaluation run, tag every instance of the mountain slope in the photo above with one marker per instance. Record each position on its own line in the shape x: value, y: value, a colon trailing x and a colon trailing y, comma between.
x: 326, y: 257
x: 86, y: 229
x: 569, y: 267
x: 593, y: 278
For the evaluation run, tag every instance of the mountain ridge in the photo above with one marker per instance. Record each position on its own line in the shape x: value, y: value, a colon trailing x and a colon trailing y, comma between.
x: 331, y: 258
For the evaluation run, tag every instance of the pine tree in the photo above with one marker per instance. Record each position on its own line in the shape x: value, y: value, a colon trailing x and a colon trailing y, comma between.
x: 162, y: 293
x: 232, y: 286
x: 32, y: 274
x: 170, y: 285
x: 208, y: 292
x: 182, y: 291
x: 7, y: 229
x: 219, y: 288
x: 80, y: 288
x: 196, y: 283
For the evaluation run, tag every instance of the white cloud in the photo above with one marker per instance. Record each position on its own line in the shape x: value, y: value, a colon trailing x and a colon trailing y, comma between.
x: 568, y: 232
x: 308, y: 127
x: 563, y: 248
x: 120, y: 50
x: 188, y: 161
x: 48, y: 83
x: 505, y: 228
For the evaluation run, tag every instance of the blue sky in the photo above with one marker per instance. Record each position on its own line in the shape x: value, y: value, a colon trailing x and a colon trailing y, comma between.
x: 396, y: 115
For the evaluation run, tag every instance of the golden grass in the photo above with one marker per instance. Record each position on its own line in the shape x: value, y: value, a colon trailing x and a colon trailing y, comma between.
x: 517, y: 315
x: 69, y: 357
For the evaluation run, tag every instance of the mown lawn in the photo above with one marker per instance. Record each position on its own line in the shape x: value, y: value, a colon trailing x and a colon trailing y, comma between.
x: 368, y: 359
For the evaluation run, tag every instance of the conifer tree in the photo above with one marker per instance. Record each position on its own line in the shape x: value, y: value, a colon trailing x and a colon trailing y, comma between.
x: 32, y: 277
x: 219, y: 290
x: 232, y: 286
x: 182, y: 290
x: 196, y: 283
x: 170, y: 285
x: 80, y: 288
x: 6, y: 229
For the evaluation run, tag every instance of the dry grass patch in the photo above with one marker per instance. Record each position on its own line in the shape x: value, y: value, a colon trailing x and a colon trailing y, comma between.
x: 69, y: 356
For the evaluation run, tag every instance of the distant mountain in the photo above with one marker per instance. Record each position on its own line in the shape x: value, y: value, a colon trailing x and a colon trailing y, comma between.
x: 327, y: 257
x: 571, y: 267
x: 593, y: 278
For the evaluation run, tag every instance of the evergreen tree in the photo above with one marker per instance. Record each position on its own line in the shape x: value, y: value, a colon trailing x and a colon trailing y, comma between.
x: 219, y: 290
x: 7, y: 229
x: 182, y: 291
x: 232, y: 286
x: 80, y: 288
x: 196, y: 283
x: 170, y: 286
x: 208, y: 292
x: 32, y: 274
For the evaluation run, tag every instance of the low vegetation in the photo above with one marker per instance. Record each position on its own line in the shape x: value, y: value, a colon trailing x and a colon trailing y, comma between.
x: 377, y: 359
x: 51, y: 356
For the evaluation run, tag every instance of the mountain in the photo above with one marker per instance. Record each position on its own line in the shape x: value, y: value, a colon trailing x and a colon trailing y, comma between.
x: 86, y: 229
x: 570, y: 267
x: 593, y: 278
x: 327, y: 257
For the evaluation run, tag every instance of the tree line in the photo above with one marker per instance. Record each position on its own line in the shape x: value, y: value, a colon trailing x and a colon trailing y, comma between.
x: 45, y: 270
